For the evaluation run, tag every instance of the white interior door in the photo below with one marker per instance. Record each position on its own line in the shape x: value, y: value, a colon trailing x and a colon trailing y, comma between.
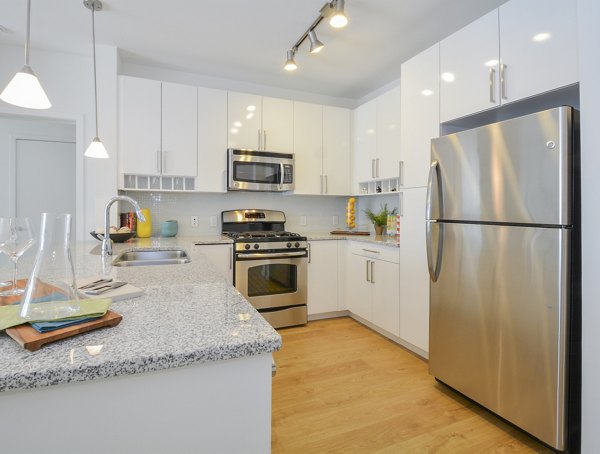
x: 45, y: 179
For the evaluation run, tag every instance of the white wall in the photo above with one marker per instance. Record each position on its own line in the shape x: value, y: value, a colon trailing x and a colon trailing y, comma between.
x: 319, y: 211
x: 589, y: 67
x: 68, y: 81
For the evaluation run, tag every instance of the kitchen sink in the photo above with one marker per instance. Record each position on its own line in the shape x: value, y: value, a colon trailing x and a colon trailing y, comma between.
x: 152, y: 257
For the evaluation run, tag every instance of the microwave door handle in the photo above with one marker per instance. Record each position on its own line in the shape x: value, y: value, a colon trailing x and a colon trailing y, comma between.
x: 281, y: 172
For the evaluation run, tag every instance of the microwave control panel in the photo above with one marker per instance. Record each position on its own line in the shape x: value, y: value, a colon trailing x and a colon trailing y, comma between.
x: 288, y: 174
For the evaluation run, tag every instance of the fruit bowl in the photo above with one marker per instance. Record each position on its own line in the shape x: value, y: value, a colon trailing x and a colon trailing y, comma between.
x: 116, y: 237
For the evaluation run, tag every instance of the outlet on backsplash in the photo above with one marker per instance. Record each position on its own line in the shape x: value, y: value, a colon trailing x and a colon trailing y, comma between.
x: 194, y: 221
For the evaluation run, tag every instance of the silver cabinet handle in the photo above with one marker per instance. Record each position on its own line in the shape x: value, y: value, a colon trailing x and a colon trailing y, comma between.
x: 372, y: 271
x: 264, y: 139
x: 326, y: 189
x: 492, y: 85
x: 231, y: 258
x: 164, y: 161
x: 371, y: 250
x: 259, y: 140
x: 158, y: 161
x: 367, y: 262
x: 401, y: 173
x: 377, y: 167
x: 321, y: 184
x: 503, y: 81
x: 372, y: 168
x: 309, y: 256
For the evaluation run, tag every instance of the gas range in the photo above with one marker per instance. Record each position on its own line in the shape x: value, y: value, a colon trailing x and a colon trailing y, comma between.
x: 268, y: 241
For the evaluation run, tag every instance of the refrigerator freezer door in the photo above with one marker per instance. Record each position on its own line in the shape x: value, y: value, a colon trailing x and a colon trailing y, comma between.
x: 516, y: 171
x: 498, y: 322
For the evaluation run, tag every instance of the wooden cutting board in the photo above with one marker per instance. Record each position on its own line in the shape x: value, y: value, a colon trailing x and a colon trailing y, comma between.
x: 348, y: 232
x: 30, y: 339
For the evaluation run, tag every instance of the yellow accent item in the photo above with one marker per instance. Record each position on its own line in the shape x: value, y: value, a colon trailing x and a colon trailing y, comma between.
x: 144, y: 229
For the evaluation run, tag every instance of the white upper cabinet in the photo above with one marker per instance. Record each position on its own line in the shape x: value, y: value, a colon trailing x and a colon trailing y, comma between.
x: 469, y: 69
x: 524, y: 48
x: 244, y: 120
x: 212, y: 140
x: 157, y: 127
x: 420, y: 116
x: 260, y: 123
x: 308, y: 148
x: 179, y: 129
x: 139, y: 125
x: 336, y: 151
x: 365, y: 141
x: 538, y: 46
x: 388, y: 134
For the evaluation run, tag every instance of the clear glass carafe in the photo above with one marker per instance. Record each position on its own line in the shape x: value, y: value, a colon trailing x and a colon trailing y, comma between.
x: 51, y: 290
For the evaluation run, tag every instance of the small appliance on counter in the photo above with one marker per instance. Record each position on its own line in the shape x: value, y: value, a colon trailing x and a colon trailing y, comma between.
x: 270, y: 264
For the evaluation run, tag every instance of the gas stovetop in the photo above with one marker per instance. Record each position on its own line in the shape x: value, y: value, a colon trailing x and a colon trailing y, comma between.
x: 264, y: 236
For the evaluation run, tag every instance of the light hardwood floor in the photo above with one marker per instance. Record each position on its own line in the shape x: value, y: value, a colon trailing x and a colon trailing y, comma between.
x: 341, y: 387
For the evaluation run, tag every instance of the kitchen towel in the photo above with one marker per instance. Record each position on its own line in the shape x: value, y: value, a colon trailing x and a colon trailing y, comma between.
x: 45, y: 327
x: 9, y: 315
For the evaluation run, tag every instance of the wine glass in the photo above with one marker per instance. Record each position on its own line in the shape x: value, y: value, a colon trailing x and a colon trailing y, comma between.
x: 16, y: 236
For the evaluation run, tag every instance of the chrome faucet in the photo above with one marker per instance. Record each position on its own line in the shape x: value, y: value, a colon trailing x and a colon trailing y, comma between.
x: 106, y: 241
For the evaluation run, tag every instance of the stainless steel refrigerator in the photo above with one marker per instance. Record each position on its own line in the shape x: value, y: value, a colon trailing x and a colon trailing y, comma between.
x: 500, y: 222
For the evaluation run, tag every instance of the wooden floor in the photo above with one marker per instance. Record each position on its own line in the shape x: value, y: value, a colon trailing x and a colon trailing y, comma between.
x: 340, y: 387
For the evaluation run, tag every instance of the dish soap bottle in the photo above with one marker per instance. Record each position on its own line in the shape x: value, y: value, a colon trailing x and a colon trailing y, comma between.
x: 144, y: 229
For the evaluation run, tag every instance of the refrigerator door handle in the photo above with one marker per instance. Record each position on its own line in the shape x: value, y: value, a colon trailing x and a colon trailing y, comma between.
x: 434, y: 170
x: 434, y: 270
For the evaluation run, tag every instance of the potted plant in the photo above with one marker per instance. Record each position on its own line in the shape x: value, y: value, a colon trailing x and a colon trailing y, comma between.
x: 379, y: 220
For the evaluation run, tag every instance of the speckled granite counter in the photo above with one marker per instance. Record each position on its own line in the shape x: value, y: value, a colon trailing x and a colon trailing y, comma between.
x: 188, y: 315
x: 384, y: 240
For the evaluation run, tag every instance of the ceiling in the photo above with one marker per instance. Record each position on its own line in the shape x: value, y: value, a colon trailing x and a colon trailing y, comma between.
x: 246, y: 40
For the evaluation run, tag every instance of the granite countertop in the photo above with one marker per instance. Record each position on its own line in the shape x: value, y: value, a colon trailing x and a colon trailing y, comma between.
x: 384, y: 240
x: 188, y: 314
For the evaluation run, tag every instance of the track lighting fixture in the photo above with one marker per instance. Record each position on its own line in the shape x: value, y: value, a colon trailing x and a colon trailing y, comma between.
x: 24, y: 89
x: 334, y: 10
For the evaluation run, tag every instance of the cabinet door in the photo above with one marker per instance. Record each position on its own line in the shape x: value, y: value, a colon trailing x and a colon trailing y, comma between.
x: 244, y: 120
x: 365, y: 142
x: 212, y: 140
x: 538, y: 45
x: 139, y: 125
x: 386, y: 305
x: 323, y: 277
x: 388, y: 134
x: 278, y: 125
x: 358, y: 288
x: 336, y: 151
x: 221, y: 256
x: 469, y: 69
x: 420, y: 116
x: 308, y: 148
x: 179, y: 130
x: 414, y: 276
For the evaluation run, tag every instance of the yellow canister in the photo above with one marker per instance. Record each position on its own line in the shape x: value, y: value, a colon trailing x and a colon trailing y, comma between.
x: 144, y: 229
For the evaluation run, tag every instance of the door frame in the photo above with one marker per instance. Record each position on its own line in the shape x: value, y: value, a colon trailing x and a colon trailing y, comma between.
x: 79, y: 168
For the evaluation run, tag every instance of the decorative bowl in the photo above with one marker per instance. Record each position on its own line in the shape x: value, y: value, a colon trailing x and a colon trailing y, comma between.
x: 116, y: 237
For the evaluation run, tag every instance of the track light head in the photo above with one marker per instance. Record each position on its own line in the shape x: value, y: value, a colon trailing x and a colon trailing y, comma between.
x: 315, y: 45
x: 338, y: 19
x: 290, y: 64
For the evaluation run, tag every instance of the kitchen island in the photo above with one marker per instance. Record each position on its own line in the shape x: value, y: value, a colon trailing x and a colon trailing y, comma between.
x: 187, y: 370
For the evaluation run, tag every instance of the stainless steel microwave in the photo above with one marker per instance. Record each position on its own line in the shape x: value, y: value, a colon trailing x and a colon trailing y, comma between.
x: 251, y: 170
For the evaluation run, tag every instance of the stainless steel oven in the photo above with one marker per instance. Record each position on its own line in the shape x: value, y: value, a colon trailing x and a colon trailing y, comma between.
x: 250, y: 170
x: 270, y: 264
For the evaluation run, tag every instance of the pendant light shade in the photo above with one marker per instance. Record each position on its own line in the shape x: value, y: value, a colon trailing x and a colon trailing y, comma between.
x: 315, y: 45
x: 96, y: 148
x: 24, y: 89
x: 290, y: 64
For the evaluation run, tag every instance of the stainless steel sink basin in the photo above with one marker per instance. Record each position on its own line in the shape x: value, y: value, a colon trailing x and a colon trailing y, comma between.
x: 152, y: 257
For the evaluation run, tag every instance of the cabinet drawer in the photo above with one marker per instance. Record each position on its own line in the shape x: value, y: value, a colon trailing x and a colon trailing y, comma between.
x: 375, y: 251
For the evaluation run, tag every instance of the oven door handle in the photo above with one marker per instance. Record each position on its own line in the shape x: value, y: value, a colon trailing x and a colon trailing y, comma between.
x: 271, y: 255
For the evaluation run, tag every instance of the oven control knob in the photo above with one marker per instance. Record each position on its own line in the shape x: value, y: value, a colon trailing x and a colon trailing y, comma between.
x: 256, y: 246
x: 289, y: 245
x: 247, y: 246
x: 297, y: 244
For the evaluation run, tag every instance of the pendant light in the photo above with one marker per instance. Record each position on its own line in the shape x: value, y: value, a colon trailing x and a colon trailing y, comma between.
x: 24, y: 89
x: 96, y: 148
x: 339, y: 19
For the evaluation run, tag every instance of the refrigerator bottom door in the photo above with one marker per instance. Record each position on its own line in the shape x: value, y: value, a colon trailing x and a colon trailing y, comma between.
x: 498, y: 322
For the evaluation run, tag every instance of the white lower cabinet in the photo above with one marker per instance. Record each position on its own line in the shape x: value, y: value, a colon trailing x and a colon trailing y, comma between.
x: 323, y: 279
x: 372, y: 284
x: 414, y: 276
x: 221, y: 256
